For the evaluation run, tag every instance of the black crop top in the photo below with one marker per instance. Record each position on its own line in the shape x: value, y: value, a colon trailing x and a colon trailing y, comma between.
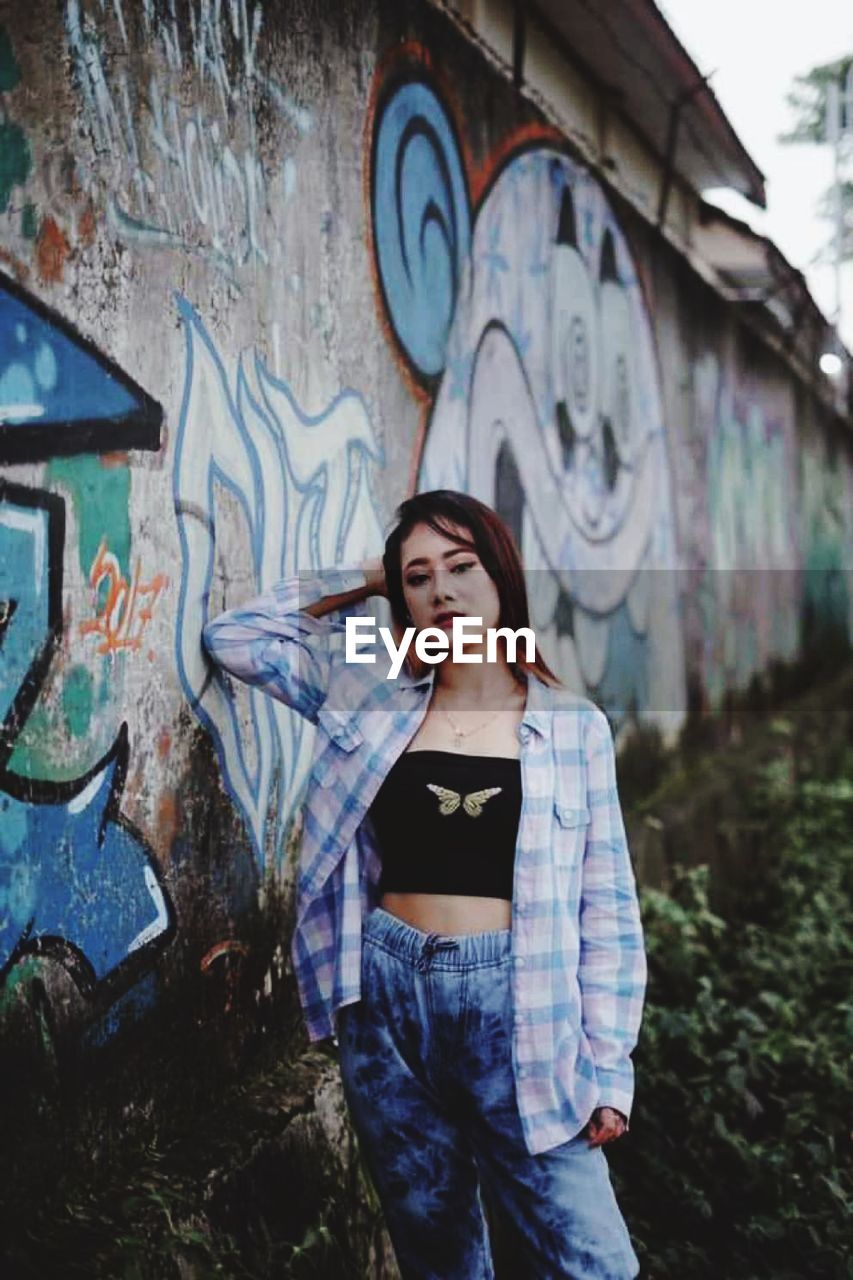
x: 448, y: 823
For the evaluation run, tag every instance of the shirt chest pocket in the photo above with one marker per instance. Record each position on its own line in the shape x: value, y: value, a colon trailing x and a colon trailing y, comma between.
x: 337, y: 744
x: 570, y: 828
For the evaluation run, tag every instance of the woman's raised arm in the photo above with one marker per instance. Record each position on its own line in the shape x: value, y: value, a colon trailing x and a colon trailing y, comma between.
x: 284, y: 641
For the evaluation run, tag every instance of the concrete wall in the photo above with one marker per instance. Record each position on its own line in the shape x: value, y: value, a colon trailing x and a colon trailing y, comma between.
x: 265, y: 267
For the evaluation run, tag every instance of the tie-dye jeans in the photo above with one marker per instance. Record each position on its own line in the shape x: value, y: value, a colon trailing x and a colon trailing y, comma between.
x: 426, y: 1064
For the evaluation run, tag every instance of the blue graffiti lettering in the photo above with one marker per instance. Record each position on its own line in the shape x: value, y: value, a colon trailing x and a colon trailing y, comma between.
x: 74, y: 878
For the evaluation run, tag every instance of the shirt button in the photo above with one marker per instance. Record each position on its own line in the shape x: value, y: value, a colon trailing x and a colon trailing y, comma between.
x: 520, y: 962
x: 522, y: 1073
x: 524, y: 732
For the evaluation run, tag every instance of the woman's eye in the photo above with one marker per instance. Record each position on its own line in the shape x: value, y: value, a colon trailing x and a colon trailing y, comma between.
x: 461, y: 568
x: 416, y: 580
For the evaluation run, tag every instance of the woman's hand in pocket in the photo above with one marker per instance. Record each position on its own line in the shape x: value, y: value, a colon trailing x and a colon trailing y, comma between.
x: 605, y: 1124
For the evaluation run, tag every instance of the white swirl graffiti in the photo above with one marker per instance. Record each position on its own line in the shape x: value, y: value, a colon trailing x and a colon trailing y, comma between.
x: 279, y: 491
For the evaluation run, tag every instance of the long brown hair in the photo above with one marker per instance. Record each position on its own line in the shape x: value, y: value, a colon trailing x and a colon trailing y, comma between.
x: 453, y: 515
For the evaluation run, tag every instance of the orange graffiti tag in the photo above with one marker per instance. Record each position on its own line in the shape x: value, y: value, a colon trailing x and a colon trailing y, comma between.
x: 52, y: 249
x: 127, y: 607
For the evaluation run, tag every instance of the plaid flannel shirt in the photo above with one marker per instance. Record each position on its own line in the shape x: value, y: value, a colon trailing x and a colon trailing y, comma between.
x: 579, y: 963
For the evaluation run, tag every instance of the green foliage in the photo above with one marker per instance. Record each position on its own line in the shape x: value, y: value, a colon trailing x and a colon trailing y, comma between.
x: 160, y: 1229
x: 738, y: 1162
x: 826, y: 209
x: 807, y: 100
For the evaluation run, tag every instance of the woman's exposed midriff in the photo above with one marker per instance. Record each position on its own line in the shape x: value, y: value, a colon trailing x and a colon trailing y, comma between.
x: 449, y: 913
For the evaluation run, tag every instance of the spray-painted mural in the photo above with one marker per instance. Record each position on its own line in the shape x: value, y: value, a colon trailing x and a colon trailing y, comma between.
x: 826, y: 531
x: 301, y: 489
x: 15, y: 154
x: 747, y: 591
x: 177, y: 174
x: 528, y: 317
x: 76, y: 881
x: 327, y: 325
x: 186, y: 147
x: 58, y: 394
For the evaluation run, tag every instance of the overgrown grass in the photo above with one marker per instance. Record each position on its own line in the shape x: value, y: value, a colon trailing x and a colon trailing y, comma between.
x: 158, y: 1226
x: 738, y: 1163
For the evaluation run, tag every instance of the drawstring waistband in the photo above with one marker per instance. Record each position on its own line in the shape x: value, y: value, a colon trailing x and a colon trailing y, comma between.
x: 436, y: 950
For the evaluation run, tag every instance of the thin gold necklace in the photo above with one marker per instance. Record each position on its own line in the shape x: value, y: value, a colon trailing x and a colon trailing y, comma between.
x: 459, y: 734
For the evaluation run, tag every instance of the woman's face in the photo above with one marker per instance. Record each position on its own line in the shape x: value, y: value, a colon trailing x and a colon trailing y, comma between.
x: 442, y: 579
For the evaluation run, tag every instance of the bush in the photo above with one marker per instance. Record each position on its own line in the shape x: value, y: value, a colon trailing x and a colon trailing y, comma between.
x: 738, y: 1161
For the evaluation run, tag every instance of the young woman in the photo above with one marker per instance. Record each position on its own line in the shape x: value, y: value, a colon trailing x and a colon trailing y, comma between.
x: 467, y: 916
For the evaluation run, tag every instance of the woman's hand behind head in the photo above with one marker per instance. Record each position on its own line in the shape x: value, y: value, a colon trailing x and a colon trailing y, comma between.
x: 374, y: 572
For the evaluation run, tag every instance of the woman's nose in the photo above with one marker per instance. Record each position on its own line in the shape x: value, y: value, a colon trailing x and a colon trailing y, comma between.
x: 443, y: 588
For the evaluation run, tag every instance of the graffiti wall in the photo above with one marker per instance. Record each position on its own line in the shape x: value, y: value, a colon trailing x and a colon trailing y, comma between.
x: 265, y: 269
x: 192, y: 404
x: 78, y: 882
x: 528, y: 312
x: 303, y: 487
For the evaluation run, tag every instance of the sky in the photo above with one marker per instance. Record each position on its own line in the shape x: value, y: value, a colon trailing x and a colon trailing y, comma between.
x: 755, y: 48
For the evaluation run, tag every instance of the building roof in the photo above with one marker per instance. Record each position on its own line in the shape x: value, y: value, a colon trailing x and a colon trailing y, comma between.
x: 629, y: 48
x: 753, y: 272
x: 750, y: 267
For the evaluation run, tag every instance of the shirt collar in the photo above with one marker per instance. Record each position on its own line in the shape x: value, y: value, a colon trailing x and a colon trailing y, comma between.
x: 539, y: 705
x: 419, y: 682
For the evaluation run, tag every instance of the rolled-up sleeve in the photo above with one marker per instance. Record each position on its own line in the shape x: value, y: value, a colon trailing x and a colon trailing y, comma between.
x: 612, y: 971
x: 270, y: 642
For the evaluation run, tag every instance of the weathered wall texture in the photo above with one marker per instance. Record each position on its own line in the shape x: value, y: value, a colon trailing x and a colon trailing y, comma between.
x: 265, y: 267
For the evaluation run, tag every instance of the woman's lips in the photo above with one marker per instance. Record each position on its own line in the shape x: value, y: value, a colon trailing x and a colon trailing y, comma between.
x: 446, y: 619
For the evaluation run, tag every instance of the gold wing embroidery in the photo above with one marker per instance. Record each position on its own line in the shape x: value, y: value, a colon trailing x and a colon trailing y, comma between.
x: 449, y: 800
x: 473, y: 803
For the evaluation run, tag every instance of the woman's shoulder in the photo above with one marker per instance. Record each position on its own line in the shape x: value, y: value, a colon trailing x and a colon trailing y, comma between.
x: 566, y: 702
x: 360, y: 688
x: 575, y: 717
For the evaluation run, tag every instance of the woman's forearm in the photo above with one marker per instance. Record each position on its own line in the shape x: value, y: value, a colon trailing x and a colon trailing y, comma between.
x: 374, y: 586
x: 280, y: 644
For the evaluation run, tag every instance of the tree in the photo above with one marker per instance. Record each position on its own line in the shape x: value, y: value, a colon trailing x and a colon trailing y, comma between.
x: 809, y: 102
x: 826, y: 209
